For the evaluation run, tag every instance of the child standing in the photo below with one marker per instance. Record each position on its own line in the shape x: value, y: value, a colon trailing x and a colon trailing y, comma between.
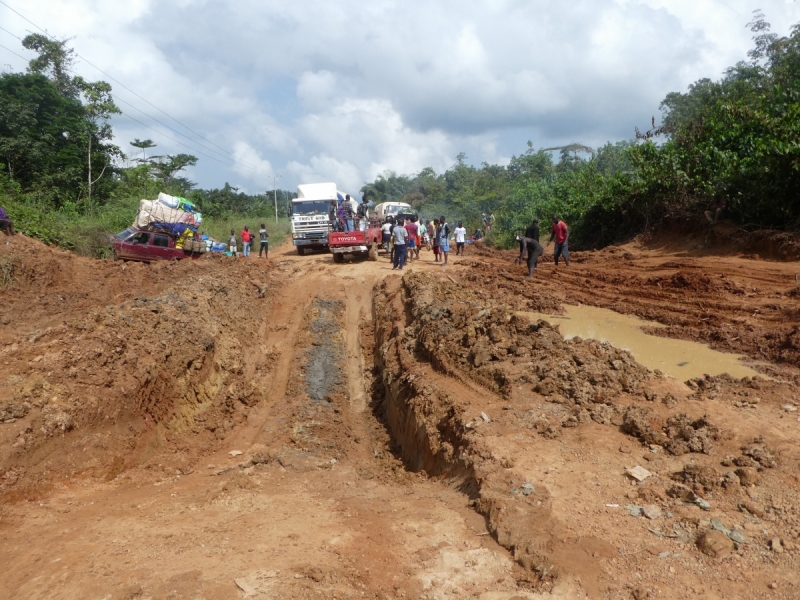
x: 233, y: 243
x: 263, y: 236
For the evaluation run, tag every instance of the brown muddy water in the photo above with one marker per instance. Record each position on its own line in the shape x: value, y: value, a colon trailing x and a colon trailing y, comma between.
x: 680, y: 359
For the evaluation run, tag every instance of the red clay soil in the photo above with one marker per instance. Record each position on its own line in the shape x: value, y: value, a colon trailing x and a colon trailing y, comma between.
x: 295, y: 428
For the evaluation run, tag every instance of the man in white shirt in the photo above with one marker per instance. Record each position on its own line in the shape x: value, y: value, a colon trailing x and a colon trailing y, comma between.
x: 386, y: 233
x: 461, y: 237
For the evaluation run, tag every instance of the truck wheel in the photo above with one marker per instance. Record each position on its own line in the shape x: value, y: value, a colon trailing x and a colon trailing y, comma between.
x: 338, y: 257
x: 373, y: 252
x: 301, y: 251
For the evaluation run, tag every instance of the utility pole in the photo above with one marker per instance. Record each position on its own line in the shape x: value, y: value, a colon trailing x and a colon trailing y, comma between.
x: 275, y: 193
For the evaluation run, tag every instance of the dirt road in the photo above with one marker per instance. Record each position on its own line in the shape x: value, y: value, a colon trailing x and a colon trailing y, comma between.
x: 297, y: 429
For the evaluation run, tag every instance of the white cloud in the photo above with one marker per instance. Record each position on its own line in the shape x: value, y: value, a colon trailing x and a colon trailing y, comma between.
x: 342, y: 90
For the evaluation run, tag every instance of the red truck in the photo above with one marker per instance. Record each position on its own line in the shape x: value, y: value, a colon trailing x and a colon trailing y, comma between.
x: 359, y: 243
x: 147, y: 246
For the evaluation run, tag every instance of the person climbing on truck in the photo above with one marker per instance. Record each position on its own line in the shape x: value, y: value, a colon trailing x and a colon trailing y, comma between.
x: 263, y: 236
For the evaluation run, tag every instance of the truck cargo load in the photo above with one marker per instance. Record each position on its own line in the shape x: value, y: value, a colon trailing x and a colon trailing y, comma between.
x: 156, y: 212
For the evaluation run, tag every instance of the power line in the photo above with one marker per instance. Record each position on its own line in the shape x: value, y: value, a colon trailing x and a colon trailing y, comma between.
x: 11, y: 34
x: 235, y: 160
x: 118, y: 99
x: 14, y: 53
x: 186, y: 145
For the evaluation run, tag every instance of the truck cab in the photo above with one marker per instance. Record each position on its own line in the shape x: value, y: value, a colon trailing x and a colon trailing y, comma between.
x: 313, y: 214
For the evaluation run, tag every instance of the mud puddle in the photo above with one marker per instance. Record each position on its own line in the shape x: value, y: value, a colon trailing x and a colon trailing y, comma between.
x: 677, y: 358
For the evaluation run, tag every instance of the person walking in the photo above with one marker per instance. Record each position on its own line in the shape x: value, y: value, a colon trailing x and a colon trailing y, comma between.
x: 247, y: 239
x: 560, y: 232
x: 399, y: 236
x: 263, y: 236
x: 534, y: 249
x: 461, y: 238
x: 443, y: 233
x: 233, y: 243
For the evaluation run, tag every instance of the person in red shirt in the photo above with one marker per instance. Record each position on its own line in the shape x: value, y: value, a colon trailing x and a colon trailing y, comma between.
x: 411, y: 245
x: 560, y: 232
x: 247, y: 239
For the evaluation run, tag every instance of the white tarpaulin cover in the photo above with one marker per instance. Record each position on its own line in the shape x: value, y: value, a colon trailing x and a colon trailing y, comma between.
x: 155, y: 212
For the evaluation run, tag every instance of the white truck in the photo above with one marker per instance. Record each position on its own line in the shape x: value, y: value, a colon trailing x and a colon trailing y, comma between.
x: 313, y: 214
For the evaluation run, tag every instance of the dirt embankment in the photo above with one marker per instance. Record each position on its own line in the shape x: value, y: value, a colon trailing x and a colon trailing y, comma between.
x: 493, y: 403
x: 115, y: 366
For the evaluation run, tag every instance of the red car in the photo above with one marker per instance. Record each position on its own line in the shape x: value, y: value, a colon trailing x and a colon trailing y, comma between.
x: 146, y: 246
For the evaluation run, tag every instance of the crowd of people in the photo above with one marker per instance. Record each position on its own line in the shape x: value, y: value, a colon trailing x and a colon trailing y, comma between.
x: 247, y: 239
x: 349, y: 214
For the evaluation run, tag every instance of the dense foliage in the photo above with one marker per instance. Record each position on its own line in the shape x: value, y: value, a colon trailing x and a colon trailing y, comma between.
x: 733, y: 143
x: 62, y: 179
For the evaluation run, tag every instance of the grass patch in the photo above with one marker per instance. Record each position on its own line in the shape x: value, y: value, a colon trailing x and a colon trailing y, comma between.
x: 86, y: 232
x: 8, y: 267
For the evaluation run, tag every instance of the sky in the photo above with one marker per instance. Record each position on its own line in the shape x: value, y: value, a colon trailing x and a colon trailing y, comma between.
x: 275, y: 93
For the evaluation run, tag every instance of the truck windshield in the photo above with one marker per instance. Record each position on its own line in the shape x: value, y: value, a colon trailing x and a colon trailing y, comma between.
x: 311, y: 207
x: 393, y: 210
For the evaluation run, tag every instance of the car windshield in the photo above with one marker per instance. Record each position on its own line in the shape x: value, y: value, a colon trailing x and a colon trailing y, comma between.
x: 311, y: 207
x: 124, y: 234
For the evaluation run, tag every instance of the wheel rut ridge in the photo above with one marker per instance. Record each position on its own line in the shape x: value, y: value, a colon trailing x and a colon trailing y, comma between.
x: 433, y: 433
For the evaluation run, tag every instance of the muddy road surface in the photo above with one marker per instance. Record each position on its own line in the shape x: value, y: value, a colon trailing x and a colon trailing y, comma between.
x: 294, y: 428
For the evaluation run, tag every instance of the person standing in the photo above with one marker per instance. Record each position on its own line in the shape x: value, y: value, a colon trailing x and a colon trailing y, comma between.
x: 411, y: 242
x: 247, y: 239
x: 348, y: 213
x: 435, y: 240
x: 560, y: 232
x: 534, y: 249
x: 490, y: 222
x: 443, y: 233
x: 399, y: 236
x: 363, y: 213
x: 532, y: 231
x: 386, y: 233
x: 6, y: 224
x: 263, y: 236
x: 233, y: 243
x: 461, y: 238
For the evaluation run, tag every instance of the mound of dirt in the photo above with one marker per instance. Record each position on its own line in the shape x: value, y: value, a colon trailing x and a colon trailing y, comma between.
x: 129, y: 376
x: 679, y: 435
